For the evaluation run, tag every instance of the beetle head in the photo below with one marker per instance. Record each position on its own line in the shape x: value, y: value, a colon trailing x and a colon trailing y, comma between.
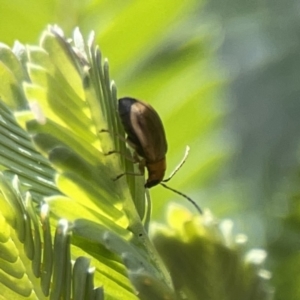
x: 156, y: 173
x: 149, y: 184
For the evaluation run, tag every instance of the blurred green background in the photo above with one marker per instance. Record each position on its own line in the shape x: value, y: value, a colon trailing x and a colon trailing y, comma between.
x: 224, y: 76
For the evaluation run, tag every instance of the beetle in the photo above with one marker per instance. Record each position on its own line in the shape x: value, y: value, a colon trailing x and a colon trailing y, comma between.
x: 146, y: 135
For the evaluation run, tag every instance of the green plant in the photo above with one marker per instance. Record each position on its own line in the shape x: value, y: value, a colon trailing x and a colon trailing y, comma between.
x: 69, y: 231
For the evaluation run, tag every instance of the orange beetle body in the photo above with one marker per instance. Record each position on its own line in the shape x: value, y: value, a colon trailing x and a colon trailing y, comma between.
x: 146, y: 135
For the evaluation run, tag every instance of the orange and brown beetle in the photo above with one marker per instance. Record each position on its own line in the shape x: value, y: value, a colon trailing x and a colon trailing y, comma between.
x: 146, y: 135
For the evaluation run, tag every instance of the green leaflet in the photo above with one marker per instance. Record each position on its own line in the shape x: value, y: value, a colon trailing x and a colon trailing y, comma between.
x: 81, y: 233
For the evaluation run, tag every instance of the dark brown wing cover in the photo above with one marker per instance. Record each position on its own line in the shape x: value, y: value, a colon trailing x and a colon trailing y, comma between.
x: 144, y: 129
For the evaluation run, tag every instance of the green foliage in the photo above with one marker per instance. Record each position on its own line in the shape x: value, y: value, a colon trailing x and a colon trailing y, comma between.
x: 196, y: 65
x: 83, y: 234
x: 160, y: 52
x: 213, y: 248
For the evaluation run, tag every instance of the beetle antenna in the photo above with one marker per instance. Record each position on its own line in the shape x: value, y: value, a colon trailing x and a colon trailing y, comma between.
x: 185, y: 196
x: 187, y: 149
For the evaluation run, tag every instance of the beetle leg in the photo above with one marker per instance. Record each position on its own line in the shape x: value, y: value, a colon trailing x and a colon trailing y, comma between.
x: 135, y: 159
x: 127, y: 173
x: 132, y: 159
x: 141, y: 163
x: 122, y: 138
